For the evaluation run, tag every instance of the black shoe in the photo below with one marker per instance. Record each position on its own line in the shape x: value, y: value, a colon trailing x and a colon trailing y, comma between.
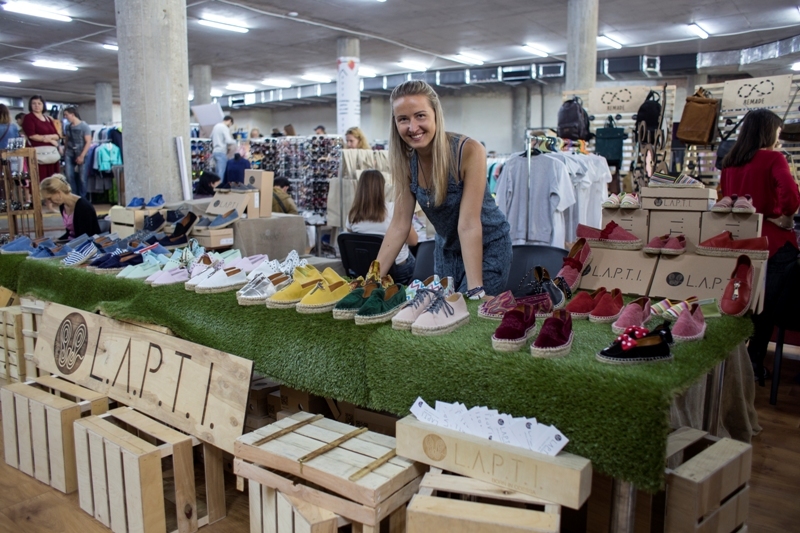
x: 175, y: 216
x: 154, y: 222
x: 634, y: 347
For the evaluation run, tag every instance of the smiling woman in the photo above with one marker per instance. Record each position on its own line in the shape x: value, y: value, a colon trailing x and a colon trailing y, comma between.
x: 446, y: 174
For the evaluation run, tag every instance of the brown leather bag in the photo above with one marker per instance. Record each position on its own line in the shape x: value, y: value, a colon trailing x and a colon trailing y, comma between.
x: 698, y: 124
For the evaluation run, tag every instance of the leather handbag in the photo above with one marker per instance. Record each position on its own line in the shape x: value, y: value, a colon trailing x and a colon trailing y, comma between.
x: 47, y: 155
x: 608, y: 141
x: 698, y: 125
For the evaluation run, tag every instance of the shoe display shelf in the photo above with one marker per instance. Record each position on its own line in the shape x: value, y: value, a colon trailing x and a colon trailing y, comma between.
x: 21, y: 197
x: 125, y: 222
x: 309, y: 473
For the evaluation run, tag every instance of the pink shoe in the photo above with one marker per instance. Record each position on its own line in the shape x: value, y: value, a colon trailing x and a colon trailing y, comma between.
x: 690, y: 326
x: 636, y: 313
x: 497, y: 307
x: 248, y: 264
x: 579, y: 256
x: 725, y: 205
x: 656, y: 244
x: 675, y: 246
x: 176, y: 275
x: 612, y: 236
x: 744, y: 204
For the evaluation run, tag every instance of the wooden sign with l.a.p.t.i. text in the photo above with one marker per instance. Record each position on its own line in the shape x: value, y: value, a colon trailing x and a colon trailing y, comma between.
x: 196, y: 389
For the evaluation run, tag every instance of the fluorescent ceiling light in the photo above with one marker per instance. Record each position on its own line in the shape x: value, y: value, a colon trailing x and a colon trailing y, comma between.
x: 319, y: 78
x: 381, y: 0
x: 113, y: 47
x: 54, y: 64
x: 413, y: 65
x: 533, y: 50
x: 274, y: 82
x: 9, y: 78
x: 215, y: 93
x: 610, y: 42
x: 222, y: 26
x: 240, y: 87
x: 700, y: 32
x: 366, y: 72
x: 468, y: 59
x: 191, y: 97
x: 24, y: 8
x: 796, y: 67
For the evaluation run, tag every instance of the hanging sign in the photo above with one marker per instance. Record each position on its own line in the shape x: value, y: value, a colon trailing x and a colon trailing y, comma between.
x: 755, y: 93
x: 613, y: 100
x: 348, y: 94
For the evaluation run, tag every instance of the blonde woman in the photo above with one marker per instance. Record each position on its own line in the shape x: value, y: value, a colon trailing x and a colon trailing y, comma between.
x: 78, y: 214
x: 446, y: 174
x: 355, y: 138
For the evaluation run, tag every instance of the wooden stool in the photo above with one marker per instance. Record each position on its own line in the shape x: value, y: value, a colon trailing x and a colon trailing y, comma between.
x: 37, y: 427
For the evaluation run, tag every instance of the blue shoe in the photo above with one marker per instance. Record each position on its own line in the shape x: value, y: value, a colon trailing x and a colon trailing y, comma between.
x: 80, y: 255
x: 204, y: 222
x: 223, y: 221
x: 175, y: 216
x: 176, y: 241
x: 24, y: 245
x: 77, y: 241
x: 57, y: 252
x: 136, y: 203
x: 155, y: 202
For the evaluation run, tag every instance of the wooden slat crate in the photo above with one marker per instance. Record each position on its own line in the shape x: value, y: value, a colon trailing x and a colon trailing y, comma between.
x: 480, y: 507
x: 272, y: 511
x: 348, y: 471
x: 11, y: 360
x: 120, y: 479
x: 38, y: 421
x: 32, y: 310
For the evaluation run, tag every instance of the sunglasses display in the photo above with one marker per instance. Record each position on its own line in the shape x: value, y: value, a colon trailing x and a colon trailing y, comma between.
x: 201, y: 155
x: 264, y: 154
x: 309, y: 163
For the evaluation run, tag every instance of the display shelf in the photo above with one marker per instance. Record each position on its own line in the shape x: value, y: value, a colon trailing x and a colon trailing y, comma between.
x: 19, y: 221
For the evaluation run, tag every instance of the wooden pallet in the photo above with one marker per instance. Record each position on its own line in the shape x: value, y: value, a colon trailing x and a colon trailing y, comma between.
x: 482, y: 508
x: 351, y: 472
x: 38, y: 421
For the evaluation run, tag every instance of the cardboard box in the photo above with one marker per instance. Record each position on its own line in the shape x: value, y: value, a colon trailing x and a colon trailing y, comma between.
x: 342, y: 411
x: 741, y: 226
x: 259, y: 394
x: 246, y: 203
x: 274, y: 403
x: 262, y: 180
x: 214, y: 238
x: 676, y: 199
x: 383, y: 423
x: 636, y: 221
x: 7, y: 297
x: 253, y: 422
x: 675, y: 223
x: 297, y: 400
x: 130, y: 217
x: 631, y: 271
x: 682, y: 276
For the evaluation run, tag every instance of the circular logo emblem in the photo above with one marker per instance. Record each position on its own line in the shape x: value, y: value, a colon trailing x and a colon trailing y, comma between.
x: 216, y: 204
x: 586, y: 270
x: 500, y: 421
x: 434, y: 447
x: 252, y: 180
x: 674, y: 279
x: 69, y: 346
x: 658, y: 201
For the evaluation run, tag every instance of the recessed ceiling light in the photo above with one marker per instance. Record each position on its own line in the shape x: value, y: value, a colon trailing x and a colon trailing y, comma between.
x: 274, y: 82
x: 533, y: 50
x: 610, y: 42
x: 191, y: 97
x: 796, y: 67
x: 222, y: 26
x: 468, y: 59
x: 54, y: 64
x: 381, y: 0
x: 700, y: 32
x: 24, y: 8
x: 215, y: 93
x: 9, y: 78
x: 366, y: 72
x: 113, y: 47
x: 292, y: 13
x: 319, y: 78
x: 240, y: 87
x: 413, y: 65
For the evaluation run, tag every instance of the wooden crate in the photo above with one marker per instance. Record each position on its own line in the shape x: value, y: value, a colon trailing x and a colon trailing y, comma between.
x: 32, y: 310
x: 38, y: 421
x: 478, y: 507
x: 272, y: 511
x: 11, y: 360
x: 351, y: 472
x: 565, y: 479
x: 120, y: 478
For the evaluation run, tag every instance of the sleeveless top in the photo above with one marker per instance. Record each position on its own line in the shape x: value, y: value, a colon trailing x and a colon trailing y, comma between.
x: 445, y: 216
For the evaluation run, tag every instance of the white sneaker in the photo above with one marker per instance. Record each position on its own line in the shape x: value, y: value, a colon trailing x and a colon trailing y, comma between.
x: 223, y: 280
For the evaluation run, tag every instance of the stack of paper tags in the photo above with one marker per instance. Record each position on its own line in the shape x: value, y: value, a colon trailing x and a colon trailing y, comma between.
x: 489, y: 423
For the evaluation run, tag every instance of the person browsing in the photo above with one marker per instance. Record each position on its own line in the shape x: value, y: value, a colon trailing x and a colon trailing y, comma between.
x: 77, y: 213
x: 222, y: 141
x: 78, y: 140
x: 281, y: 200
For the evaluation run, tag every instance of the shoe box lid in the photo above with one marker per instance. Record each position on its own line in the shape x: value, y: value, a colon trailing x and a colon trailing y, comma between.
x: 678, y: 199
x: 630, y: 271
x: 131, y: 217
x: 741, y: 225
x: 262, y: 180
x: 246, y: 203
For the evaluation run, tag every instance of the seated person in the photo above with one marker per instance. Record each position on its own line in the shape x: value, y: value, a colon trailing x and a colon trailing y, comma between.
x: 78, y: 214
x: 207, y: 184
x: 281, y: 199
x: 372, y: 214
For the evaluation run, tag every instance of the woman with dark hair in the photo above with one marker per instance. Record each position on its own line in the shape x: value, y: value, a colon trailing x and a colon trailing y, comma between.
x: 207, y: 184
x: 754, y: 166
x: 372, y: 214
x: 41, y: 130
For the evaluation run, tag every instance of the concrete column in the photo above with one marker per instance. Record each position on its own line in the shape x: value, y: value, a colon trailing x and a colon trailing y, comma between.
x: 581, y: 44
x: 520, y: 115
x: 201, y: 84
x: 103, y: 103
x: 348, y: 84
x: 154, y: 90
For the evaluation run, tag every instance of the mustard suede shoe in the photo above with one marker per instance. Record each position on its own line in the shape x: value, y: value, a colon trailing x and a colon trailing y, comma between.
x: 323, y: 297
x: 291, y: 295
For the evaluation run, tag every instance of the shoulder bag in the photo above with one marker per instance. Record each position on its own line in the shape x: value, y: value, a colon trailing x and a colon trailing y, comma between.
x: 47, y: 155
x: 609, y: 140
x: 698, y: 125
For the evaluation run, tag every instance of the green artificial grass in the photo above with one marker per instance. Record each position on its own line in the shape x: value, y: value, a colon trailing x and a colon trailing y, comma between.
x: 616, y: 416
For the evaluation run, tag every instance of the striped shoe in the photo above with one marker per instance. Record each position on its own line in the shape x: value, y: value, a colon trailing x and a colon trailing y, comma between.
x: 80, y: 255
x: 674, y: 311
x: 661, y: 307
x: 683, y: 181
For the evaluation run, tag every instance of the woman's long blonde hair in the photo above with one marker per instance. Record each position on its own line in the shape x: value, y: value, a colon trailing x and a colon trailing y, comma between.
x: 400, y: 152
x: 55, y: 184
x: 363, y: 143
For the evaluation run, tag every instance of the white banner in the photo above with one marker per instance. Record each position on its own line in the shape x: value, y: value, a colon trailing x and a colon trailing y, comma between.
x: 348, y: 94
x: 613, y: 100
x: 755, y: 93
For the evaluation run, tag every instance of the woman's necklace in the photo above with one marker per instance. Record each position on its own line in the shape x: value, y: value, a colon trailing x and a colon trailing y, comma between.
x: 426, y: 189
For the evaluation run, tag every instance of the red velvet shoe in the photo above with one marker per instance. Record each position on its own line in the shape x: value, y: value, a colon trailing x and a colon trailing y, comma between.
x: 541, y: 303
x: 579, y: 256
x: 636, y: 313
x: 612, y: 236
x: 517, y: 327
x: 608, y: 309
x: 736, y: 298
x: 584, y: 303
x: 555, y: 337
x: 723, y: 245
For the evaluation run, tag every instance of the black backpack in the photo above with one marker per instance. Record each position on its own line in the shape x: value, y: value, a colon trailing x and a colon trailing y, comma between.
x: 573, y: 120
x: 650, y: 112
x: 609, y: 140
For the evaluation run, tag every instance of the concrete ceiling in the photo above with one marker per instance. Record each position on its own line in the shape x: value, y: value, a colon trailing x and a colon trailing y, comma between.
x: 280, y: 45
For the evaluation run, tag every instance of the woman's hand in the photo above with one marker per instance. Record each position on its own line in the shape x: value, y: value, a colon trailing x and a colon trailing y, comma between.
x: 784, y: 222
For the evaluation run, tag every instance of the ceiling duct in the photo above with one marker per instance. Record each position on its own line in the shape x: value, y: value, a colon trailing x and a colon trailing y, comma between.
x: 483, y: 75
x: 651, y: 66
x: 516, y: 73
x: 772, y: 56
x: 550, y: 70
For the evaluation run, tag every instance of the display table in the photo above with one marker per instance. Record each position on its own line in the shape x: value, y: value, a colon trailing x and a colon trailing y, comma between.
x: 616, y: 416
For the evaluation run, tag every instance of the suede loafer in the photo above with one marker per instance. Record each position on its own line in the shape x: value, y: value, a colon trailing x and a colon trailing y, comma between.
x: 555, y: 337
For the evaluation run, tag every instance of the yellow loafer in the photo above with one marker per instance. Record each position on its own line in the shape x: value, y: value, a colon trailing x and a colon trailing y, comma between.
x: 323, y: 297
x: 291, y: 295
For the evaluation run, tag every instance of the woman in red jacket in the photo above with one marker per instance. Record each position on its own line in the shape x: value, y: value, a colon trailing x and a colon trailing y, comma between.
x: 754, y: 166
